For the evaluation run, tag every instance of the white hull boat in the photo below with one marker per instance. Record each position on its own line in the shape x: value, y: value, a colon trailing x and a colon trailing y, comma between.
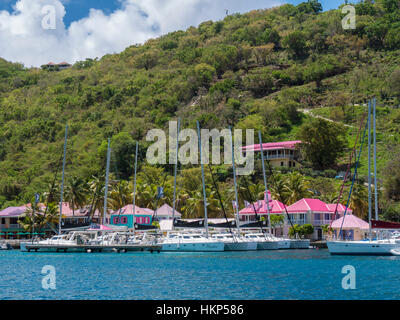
x: 235, y: 243
x: 264, y: 242
x: 299, y: 243
x: 191, y: 243
x: 374, y: 247
x: 284, y: 244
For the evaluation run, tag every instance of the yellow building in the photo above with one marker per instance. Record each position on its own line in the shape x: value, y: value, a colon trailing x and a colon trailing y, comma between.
x: 279, y: 154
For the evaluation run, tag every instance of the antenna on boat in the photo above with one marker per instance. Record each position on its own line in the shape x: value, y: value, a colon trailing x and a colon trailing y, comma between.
x: 265, y: 180
x: 234, y: 182
x: 175, y: 170
x: 134, y: 186
x: 369, y: 170
x: 375, y: 168
x: 353, y: 180
x: 62, y: 179
x: 220, y: 199
x: 202, y: 177
x: 106, y: 185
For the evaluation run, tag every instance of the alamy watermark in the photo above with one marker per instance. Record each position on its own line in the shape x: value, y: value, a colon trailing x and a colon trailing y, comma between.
x: 49, y: 279
x: 49, y: 19
x: 349, y: 21
x: 349, y: 280
x: 188, y: 153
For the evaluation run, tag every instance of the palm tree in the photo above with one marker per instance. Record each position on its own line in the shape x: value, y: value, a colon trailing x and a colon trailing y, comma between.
x: 296, y: 188
x: 359, y: 200
x: 33, y: 219
x: 330, y: 197
x: 277, y: 187
x: 53, y: 195
x: 75, y: 193
x: 194, y: 206
x: 121, y: 195
x: 96, y: 187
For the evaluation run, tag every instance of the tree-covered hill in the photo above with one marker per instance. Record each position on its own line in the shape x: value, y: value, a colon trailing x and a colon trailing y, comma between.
x: 255, y: 70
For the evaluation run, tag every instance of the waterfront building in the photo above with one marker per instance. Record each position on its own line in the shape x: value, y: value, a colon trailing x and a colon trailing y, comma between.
x: 353, y: 228
x: 126, y: 216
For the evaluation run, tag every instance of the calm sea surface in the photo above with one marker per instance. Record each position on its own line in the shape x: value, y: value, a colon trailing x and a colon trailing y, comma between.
x: 298, y: 274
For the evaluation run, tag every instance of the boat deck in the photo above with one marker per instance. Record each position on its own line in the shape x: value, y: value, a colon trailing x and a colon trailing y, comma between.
x: 34, y: 247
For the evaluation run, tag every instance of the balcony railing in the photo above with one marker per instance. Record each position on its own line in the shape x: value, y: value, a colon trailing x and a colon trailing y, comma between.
x: 297, y: 221
x: 280, y: 156
x: 321, y: 222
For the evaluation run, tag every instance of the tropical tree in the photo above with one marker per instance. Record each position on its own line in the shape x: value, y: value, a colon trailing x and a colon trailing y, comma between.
x: 76, y: 193
x: 277, y: 220
x: 296, y: 187
x: 322, y: 142
x: 277, y: 188
x: 359, y: 201
x: 33, y: 219
x: 96, y: 187
x: 121, y: 195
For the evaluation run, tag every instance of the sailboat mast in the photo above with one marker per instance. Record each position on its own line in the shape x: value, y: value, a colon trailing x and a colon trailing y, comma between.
x: 265, y: 180
x: 369, y: 170
x: 234, y: 182
x: 202, y: 177
x: 134, y: 186
x: 375, y: 168
x: 62, y: 179
x: 175, y: 170
x: 106, y: 185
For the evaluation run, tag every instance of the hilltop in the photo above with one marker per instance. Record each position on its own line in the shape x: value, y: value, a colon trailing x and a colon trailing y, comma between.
x: 255, y: 70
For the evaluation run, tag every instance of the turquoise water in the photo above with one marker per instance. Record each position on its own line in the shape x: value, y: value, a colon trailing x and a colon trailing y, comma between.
x: 295, y: 274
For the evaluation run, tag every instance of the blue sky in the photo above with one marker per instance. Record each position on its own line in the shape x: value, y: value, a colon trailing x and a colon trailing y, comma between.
x: 92, y: 28
x: 78, y: 9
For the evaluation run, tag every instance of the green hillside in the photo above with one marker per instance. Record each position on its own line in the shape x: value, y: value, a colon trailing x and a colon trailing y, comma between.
x: 255, y: 70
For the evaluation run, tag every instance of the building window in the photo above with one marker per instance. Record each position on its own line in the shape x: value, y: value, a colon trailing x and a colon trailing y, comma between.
x: 282, y: 164
x: 294, y: 164
x: 290, y: 164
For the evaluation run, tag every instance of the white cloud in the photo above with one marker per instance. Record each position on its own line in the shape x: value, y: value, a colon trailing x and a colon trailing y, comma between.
x: 23, y: 39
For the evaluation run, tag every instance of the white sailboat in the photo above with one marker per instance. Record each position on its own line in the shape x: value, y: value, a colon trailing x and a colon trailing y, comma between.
x: 186, y: 241
x: 390, y: 246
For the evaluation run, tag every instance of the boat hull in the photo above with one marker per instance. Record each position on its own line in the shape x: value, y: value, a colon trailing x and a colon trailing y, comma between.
x: 364, y: 248
x: 236, y: 246
x: 267, y: 245
x: 299, y: 244
x: 193, y: 247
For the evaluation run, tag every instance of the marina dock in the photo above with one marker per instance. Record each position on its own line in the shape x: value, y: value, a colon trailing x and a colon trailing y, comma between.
x: 35, y: 247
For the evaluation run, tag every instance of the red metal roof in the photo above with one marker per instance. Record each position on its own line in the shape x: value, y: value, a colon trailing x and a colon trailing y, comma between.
x: 305, y: 205
x: 272, y: 146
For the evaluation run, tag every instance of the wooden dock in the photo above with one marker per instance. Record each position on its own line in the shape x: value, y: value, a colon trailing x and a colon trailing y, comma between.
x: 120, y: 248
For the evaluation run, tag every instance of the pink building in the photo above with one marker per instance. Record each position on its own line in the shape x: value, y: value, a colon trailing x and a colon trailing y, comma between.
x: 279, y: 154
x: 315, y: 212
x: 353, y: 228
x: 275, y: 207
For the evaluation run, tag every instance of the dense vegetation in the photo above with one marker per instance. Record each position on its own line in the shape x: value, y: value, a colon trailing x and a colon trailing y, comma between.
x: 256, y: 70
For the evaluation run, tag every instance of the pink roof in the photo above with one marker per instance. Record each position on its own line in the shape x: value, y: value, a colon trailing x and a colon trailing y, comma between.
x: 350, y: 222
x: 272, y: 146
x: 341, y: 208
x: 13, y: 212
x: 305, y: 205
x: 275, y: 207
x: 166, y: 210
x: 128, y: 209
